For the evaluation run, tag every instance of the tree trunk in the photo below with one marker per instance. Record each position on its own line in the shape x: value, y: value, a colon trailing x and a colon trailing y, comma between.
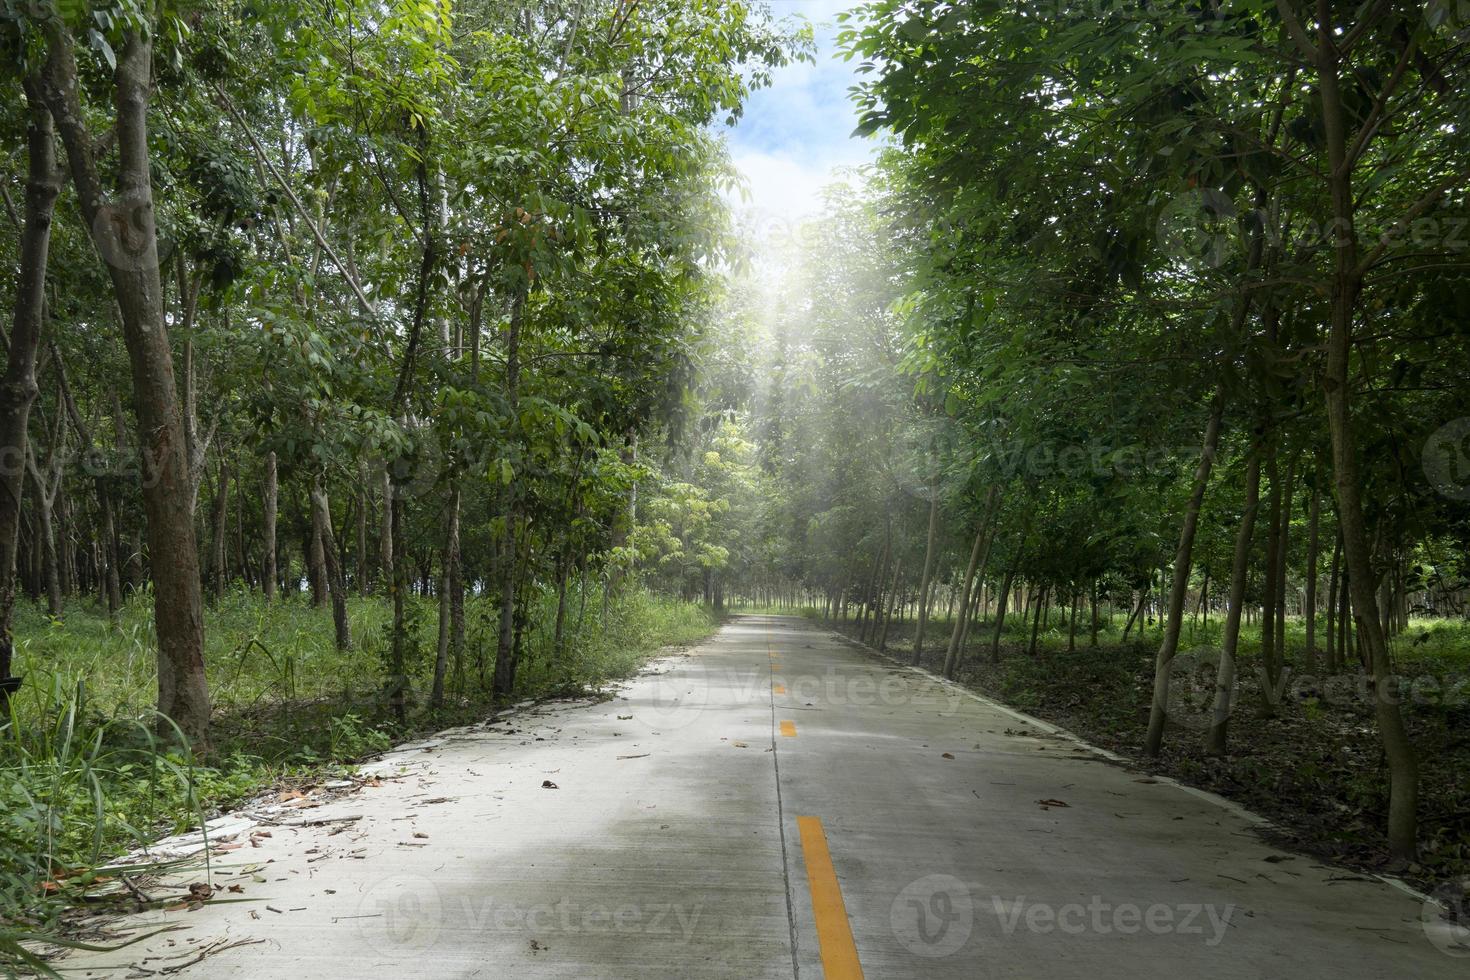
x: 1000, y: 615
x: 1092, y: 641
x: 1072, y: 624
x: 218, y: 519
x: 982, y: 532
x: 18, y: 387
x: 505, y: 650
x: 892, y: 599
x: 316, y: 562
x: 110, y: 554
x: 1135, y: 614
x: 1270, y: 598
x: 125, y: 235
x: 44, y: 498
x: 362, y: 563
x: 1334, y: 656
x: 396, y: 570
x: 1310, y: 601
x: 447, y: 580
x: 1346, y: 282
x: 1158, y: 714
x: 926, y: 576
x: 1036, y: 620
x: 268, y: 571
x: 1283, y: 554
x: 1239, y: 570
x: 332, y: 560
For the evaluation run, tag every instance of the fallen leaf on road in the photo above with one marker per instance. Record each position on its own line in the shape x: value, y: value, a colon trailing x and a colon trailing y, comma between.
x: 625, y: 717
x: 740, y: 745
x: 548, y: 784
x: 421, y: 835
x: 1047, y: 804
x: 946, y: 756
x: 643, y: 756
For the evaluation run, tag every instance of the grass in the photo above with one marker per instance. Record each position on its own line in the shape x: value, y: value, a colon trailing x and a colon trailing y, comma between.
x: 84, y: 775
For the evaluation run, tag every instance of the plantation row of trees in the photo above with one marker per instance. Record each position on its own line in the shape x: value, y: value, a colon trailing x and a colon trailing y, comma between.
x: 381, y: 297
x: 1161, y: 306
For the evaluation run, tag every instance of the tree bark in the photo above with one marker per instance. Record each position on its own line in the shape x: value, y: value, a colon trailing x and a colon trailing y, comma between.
x: 1314, y: 519
x: 1000, y: 615
x: 332, y: 560
x: 124, y: 233
x: 447, y: 581
x: 1334, y: 657
x: 925, y: 577
x: 219, y: 518
x: 1403, y: 767
x: 1271, y: 596
x: 505, y: 649
x: 982, y: 532
x: 1036, y: 620
x: 316, y: 560
x: 1239, y: 570
x: 18, y: 388
x: 1158, y: 714
x: 47, y: 485
x: 268, y: 572
x: 892, y: 600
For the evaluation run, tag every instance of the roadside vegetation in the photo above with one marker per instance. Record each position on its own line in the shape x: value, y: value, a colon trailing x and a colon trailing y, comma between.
x: 85, y: 776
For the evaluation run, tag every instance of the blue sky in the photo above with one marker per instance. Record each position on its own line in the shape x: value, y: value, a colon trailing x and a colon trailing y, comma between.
x: 797, y: 131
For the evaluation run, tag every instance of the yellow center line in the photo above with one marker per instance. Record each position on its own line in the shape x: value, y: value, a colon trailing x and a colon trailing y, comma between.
x: 788, y: 728
x: 834, y: 933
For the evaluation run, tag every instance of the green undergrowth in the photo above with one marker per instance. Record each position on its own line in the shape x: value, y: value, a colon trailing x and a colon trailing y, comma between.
x: 88, y: 771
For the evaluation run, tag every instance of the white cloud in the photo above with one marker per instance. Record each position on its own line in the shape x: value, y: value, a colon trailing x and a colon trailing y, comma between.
x: 796, y: 134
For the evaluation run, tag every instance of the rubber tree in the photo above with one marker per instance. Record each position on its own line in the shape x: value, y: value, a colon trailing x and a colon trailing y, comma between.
x: 124, y: 232
x: 18, y: 386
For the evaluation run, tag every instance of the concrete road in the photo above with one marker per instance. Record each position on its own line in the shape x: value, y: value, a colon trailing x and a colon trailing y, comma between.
x: 776, y: 803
